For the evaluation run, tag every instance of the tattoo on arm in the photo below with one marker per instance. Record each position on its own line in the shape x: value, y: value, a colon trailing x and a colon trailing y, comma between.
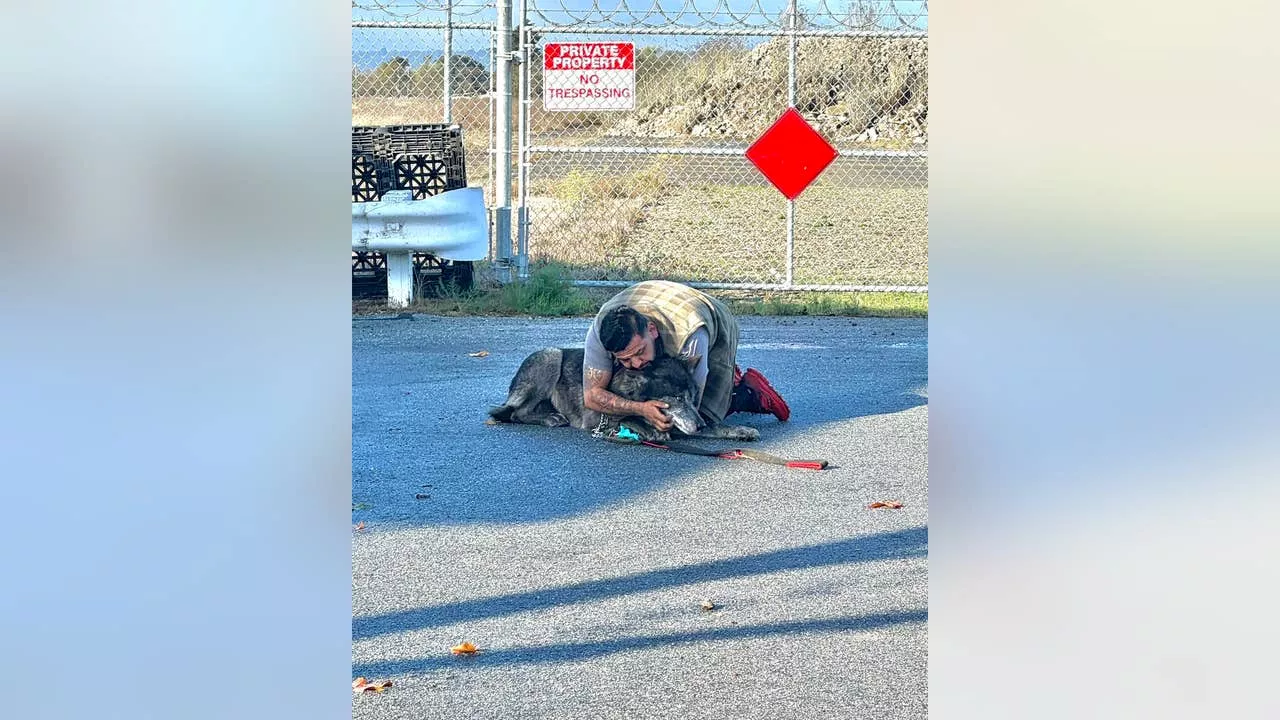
x: 597, y: 378
x: 597, y: 386
x: 614, y: 405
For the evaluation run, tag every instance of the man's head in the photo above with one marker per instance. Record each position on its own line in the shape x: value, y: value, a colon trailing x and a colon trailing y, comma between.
x: 629, y: 336
x: 667, y: 379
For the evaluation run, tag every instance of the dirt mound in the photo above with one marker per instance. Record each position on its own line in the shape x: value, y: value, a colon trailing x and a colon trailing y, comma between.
x: 872, y: 91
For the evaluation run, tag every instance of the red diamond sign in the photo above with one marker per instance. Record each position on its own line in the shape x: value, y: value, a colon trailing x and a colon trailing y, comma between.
x: 791, y: 154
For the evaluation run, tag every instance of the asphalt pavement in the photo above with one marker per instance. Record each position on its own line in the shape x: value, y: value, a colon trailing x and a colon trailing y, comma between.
x: 578, y: 566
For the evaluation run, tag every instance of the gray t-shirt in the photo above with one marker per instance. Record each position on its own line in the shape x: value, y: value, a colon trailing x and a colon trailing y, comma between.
x: 699, y: 344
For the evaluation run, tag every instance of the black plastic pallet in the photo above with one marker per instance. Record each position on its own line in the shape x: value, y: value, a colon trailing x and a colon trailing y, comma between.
x: 431, y: 275
x: 427, y: 159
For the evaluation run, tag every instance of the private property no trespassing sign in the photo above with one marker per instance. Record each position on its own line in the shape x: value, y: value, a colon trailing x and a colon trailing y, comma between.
x: 589, y: 76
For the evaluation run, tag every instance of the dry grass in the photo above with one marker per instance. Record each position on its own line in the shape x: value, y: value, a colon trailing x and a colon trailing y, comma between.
x: 548, y: 293
x: 879, y: 304
x: 726, y: 233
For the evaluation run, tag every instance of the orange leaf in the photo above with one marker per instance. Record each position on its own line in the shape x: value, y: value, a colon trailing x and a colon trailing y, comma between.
x: 359, y: 526
x: 362, y: 685
x: 482, y: 353
x: 891, y: 504
x: 465, y: 648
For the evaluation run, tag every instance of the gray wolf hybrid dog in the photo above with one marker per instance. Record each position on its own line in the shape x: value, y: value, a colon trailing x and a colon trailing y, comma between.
x: 547, y: 390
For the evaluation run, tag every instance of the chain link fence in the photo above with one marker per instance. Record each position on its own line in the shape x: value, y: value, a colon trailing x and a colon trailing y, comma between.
x: 663, y: 189
x: 398, y: 77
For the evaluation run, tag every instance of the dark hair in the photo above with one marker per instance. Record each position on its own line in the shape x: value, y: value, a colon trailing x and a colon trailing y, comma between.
x: 619, y: 325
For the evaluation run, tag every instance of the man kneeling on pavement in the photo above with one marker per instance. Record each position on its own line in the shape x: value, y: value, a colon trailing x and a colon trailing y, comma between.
x: 658, y: 317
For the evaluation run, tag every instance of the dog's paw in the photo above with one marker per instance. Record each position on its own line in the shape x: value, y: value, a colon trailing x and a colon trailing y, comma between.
x: 742, y: 432
x: 555, y: 420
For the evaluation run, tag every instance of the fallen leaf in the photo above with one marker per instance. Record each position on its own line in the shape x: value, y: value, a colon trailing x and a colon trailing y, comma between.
x: 361, y: 685
x: 891, y: 504
x: 360, y: 506
x: 465, y: 648
x: 482, y: 353
x: 422, y: 496
x: 707, y: 605
x: 359, y: 526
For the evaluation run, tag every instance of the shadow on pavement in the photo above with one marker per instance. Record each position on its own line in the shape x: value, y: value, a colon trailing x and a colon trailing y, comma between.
x: 910, y: 543
x: 577, y: 652
x: 419, y: 401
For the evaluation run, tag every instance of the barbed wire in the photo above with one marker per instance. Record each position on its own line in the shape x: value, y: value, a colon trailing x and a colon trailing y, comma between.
x: 415, y: 9
x: 887, y: 15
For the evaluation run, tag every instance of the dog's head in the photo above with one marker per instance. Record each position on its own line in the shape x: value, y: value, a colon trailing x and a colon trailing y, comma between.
x: 667, y: 379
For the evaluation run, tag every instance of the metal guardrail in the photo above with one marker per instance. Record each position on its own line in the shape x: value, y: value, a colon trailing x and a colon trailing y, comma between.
x: 453, y: 225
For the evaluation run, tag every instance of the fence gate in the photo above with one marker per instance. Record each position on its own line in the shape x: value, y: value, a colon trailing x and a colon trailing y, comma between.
x: 618, y: 150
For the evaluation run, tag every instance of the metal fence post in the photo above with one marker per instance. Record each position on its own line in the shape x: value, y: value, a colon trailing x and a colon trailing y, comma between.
x: 791, y: 102
x: 448, y: 61
x: 522, y: 209
x: 502, y: 149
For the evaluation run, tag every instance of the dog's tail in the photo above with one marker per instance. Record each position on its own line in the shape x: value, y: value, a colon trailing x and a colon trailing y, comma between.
x: 515, y: 400
x: 502, y: 413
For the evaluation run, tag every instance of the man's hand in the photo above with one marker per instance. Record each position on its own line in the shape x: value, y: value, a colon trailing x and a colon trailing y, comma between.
x: 596, y: 396
x: 651, y: 411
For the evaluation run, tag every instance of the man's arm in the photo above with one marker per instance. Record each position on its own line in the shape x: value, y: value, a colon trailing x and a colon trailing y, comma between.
x: 597, y: 371
x: 596, y: 395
